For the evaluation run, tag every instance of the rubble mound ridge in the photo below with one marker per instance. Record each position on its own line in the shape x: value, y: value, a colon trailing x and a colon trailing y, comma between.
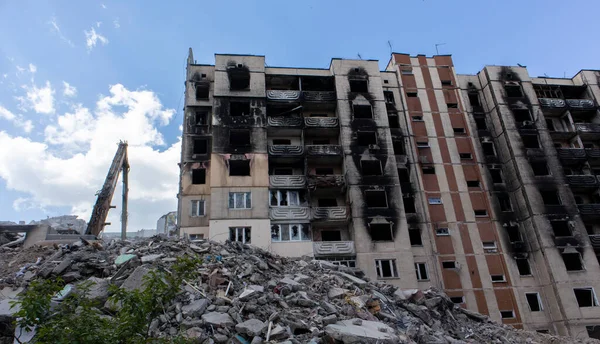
x: 246, y: 295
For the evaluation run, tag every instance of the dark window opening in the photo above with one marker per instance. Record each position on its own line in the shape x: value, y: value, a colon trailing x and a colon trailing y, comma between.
x: 239, y: 77
x: 421, y: 270
x: 480, y: 212
x: 560, y: 228
x: 459, y: 131
x: 550, y: 125
x: 321, y: 141
x: 386, y: 81
x: 393, y: 120
x: 473, y: 183
x: 466, y: 156
x: 498, y: 278
x: 585, y: 297
x: 239, y: 138
x: 409, y: 205
x: 200, y: 146
x: 282, y: 142
x: 457, y: 299
x: 239, y: 109
x: 452, y: 105
x: 412, y: 94
x: 283, y: 171
x: 507, y: 314
x: 403, y: 175
x: 414, y: 234
x: 331, y: 235
x: 513, y: 91
x: 199, y: 176
x: 504, y: 202
x: 496, y: 174
x: 474, y: 99
x: 446, y: 82
x: 488, y: 148
x: 540, y: 168
x: 550, y: 197
x: 362, y: 111
x: 530, y: 141
x: 428, y: 169
x: 376, y: 199
x: 398, y: 147
x: 449, y: 265
x: 201, y: 118
x: 239, y: 167
x: 521, y: 115
x: 417, y: 118
x: 513, y: 233
x: 359, y: 85
x: 533, y: 299
x: 323, y: 171
x: 202, y: 89
x: 572, y: 261
x: 593, y: 331
x: 327, y: 202
x: 371, y: 167
x: 389, y: 97
x: 523, y: 266
x: 366, y: 138
x: 480, y: 123
x: 381, y: 232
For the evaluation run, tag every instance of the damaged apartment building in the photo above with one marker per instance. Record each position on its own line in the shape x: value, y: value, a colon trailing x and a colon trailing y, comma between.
x: 485, y: 186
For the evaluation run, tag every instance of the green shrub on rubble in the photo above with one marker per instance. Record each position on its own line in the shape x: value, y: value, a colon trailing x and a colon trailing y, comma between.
x: 78, y: 320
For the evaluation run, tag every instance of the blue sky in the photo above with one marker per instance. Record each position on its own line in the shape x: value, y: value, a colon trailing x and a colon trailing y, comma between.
x: 123, y: 65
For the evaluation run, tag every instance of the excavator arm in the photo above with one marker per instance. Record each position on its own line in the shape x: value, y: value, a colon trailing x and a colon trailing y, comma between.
x: 105, y: 195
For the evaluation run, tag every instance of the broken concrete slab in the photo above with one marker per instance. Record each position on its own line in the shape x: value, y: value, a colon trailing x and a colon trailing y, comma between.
x: 135, y: 281
x: 124, y: 258
x: 7, y: 310
x: 98, y: 289
x: 252, y: 327
x: 218, y: 319
x: 151, y: 257
x: 368, y: 331
x: 196, y: 308
x: 335, y: 293
x: 62, y: 267
x: 359, y: 282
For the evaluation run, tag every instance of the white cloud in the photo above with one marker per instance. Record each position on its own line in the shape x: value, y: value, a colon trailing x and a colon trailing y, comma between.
x: 98, y: 24
x: 56, y: 29
x: 39, y: 99
x: 17, y: 120
x: 69, y: 91
x: 116, y: 23
x: 20, y: 70
x: 92, y: 38
x: 5, y: 75
x: 32, y: 68
x: 6, y: 114
x: 103, y: 6
x: 72, y: 161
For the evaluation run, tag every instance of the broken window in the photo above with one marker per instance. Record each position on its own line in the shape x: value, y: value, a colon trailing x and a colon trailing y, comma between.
x: 457, y: 299
x: 446, y: 82
x: 496, y: 175
x: 561, y: 228
x: 428, y: 169
x: 403, y: 175
x: 489, y: 245
x: 371, y: 167
x: 239, y: 109
x: 393, y: 120
x: 417, y: 118
x: 406, y: 70
x: 452, y: 105
x: 480, y: 123
x: 523, y: 266
x: 197, y: 208
x: 421, y: 270
x: 534, y: 301
x: 466, y: 156
x: 530, y: 141
x: 449, y: 264
x: 376, y: 199
x: 240, y: 200
x: 283, y: 198
x: 480, y: 212
x: 239, y: 168
x: 442, y: 231
x: 241, y: 234
x: 459, y: 131
x: 521, y: 115
x: 327, y: 202
x: 550, y: 125
x: 331, y: 235
x: 381, y: 232
x: 414, y: 234
x: 323, y: 171
x: 507, y: 314
x: 513, y: 91
x: 320, y: 141
x: 513, y: 233
x: 366, y: 138
x: 389, y: 97
x: 586, y: 297
x: 422, y: 144
x: 409, y: 205
x: 284, y: 142
x: 280, y: 171
x: 199, y: 176
x: 239, y: 138
x: 200, y: 146
x: 386, y: 268
x: 202, y: 89
x: 593, y: 331
x: 540, y: 168
x: 398, y: 147
x: 550, y: 197
x: 488, y: 148
x: 239, y: 76
x: 362, y: 111
x: 504, y: 202
x: 473, y: 183
x: 359, y: 85
x: 498, y: 278
x: 474, y: 99
x: 290, y: 232
x: 201, y: 118
x: 572, y: 261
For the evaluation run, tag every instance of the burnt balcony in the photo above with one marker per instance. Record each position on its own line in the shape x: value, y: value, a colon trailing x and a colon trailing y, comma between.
x: 318, y: 96
x: 571, y: 155
x: 562, y: 134
x: 555, y: 209
x: 593, y: 155
x: 283, y: 95
x: 333, y: 214
x: 553, y: 106
x: 333, y: 248
x: 289, y: 213
x: 588, y: 130
x: 535, y: 152
x: 286, y: 151
x: 591, y: 210
x: 324, y: 150
x: 581, y: 104
x: 401, y: 161
x: 326, y: 182
x: 287, y: 182
x: 483, y: 133
x: 285, y: 121
x: 321, y: 122
x: 582, y: 181
x: 595, y: 240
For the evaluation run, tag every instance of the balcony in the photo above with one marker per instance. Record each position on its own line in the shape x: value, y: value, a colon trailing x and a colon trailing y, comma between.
x: 330, y: 214
x: 289, y: 213
x: 333, y: 248
x: 286, y: 151
x: 321, y: 122
x: 283, y: 95
x: 285, y: 121
x: 593, y: 155
x: 535, y: 152
x: 571, y: 155
x: 401, y: 161
x: 562, y: 134
x: 287, y: 182
x: 326, y: 182
x: 588, y: 130
x: 553, y: 105
x: 595, y: 240
x: 318, y: 96
x: 555, y: 209
x: 324, y: 150
x: 583, y: 104
x: 582, y: 181
x: 592, y: 209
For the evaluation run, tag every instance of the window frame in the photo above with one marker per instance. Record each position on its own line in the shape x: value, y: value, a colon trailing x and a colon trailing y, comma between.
x: 594, y: 297
x: 237, y: 229
x: 196, y: 208
x: 288, y: 194
x: 393, y: 268
x: 539, y: 300
x: 301, y: 226
x: 246, y: 199
x: 418, y: 271
x: 442, y: 231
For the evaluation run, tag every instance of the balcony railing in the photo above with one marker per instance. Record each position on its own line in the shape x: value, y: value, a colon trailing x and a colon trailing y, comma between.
x: 289, y: 213
x: 401, y: 160
x: 571, y: 153
x: 321, y: 122
x: 286, y: 150
x: 324, y: 182
x: 585, y: 128
x: 555, y: 209
x: 580, y: 103
x: 556, y: 103
x: 287, y: 182
x: 318, y: 96
x: 324, y: 150
x: 283, y: 95
x: 592, y: 153
x: 589, y: 209
x: 330, y: 214
x: 284, y: 121
x: 595, y: 240
x: 582, y: 180
x: 333, y: 248
x: 535, y: 152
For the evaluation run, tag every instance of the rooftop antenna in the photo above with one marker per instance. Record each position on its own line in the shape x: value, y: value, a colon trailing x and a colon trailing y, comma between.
x: 391, y: 49
x: 359, y: 57
x: 436, y: 48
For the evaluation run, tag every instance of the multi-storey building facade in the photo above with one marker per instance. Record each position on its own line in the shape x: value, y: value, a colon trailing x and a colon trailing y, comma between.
x: 482, y: 185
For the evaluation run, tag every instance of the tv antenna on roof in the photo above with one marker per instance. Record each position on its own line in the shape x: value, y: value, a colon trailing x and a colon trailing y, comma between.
x: 359, y: 57
x: 391, y: 49
x: 436, y: 48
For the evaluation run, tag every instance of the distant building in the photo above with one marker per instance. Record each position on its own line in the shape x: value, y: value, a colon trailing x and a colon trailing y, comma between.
x: 167, y: 224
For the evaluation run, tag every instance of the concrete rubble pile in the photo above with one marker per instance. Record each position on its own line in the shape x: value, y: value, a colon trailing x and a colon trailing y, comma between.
x: 246, y: 295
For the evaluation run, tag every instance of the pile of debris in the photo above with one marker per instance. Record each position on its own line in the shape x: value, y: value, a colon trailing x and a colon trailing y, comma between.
x: 247, y: 295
